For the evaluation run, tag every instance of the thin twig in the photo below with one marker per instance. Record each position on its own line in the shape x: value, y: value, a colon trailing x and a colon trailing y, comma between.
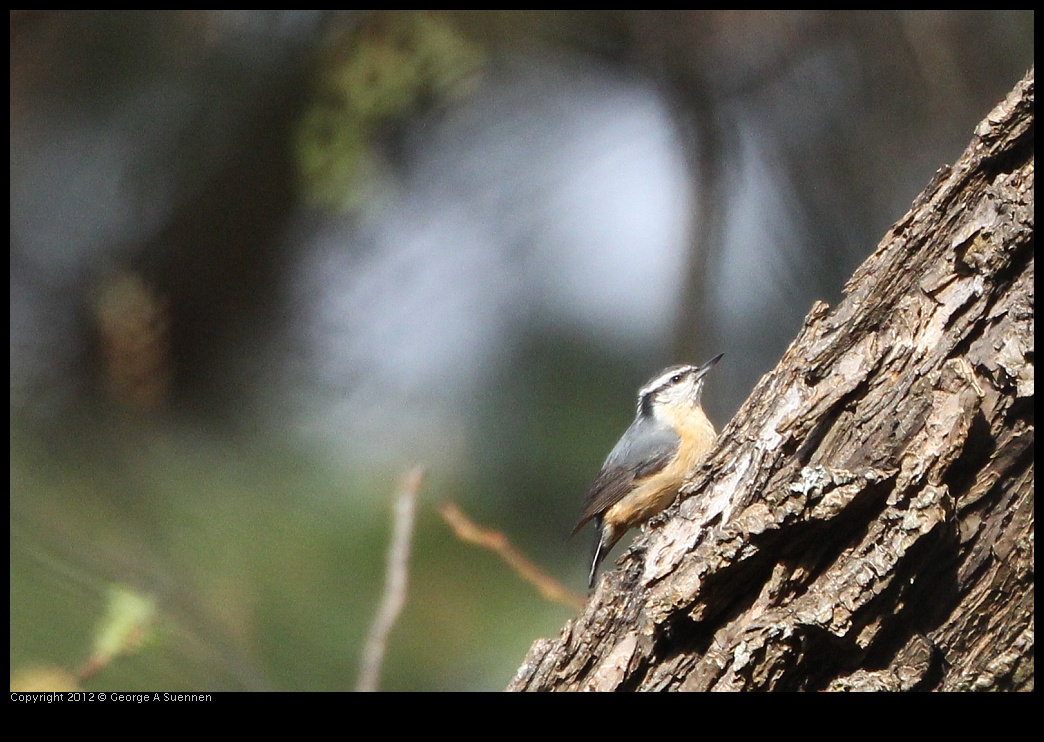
x: 395, y: 581
x: 496, y: 542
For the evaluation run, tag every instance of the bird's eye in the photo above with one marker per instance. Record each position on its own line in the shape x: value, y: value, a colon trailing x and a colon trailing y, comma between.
x: 676, y: 378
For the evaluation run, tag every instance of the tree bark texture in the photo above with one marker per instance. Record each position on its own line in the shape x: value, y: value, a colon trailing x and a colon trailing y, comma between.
x: 865, y: 522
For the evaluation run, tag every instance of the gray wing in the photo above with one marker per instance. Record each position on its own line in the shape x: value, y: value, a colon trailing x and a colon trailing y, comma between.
x: 646, y: 447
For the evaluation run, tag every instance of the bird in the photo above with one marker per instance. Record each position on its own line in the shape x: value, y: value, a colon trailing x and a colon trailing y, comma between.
x: 641, y: 475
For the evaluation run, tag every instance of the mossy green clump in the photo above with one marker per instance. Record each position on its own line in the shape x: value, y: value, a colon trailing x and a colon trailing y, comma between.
x: 371, y: 78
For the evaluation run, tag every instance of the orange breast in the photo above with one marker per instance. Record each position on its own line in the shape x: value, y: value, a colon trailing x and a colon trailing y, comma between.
x: 652, y: 494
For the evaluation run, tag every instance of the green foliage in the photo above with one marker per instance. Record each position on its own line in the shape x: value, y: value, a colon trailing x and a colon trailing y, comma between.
x: 126, y: 624
x: 371, y: 78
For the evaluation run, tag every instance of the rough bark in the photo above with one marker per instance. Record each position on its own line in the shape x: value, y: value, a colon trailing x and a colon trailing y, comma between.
x: 866, y: 520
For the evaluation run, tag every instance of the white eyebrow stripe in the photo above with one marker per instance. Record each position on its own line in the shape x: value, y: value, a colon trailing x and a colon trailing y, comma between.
x: 663, y: 379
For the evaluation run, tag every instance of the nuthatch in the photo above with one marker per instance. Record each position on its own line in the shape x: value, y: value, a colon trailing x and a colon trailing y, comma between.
x: 643, y: 472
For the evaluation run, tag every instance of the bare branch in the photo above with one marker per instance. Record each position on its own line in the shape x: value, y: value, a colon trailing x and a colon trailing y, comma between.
x: 395, y: 582
x: 548, y: 587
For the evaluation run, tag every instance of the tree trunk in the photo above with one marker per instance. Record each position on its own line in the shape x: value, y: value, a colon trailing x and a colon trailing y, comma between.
x: 866, y: 520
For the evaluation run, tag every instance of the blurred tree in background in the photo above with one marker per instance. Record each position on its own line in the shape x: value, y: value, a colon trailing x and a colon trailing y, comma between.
x: 262, y: 262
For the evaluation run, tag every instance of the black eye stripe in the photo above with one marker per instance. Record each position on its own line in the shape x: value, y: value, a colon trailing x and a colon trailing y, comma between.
x: 669, y: 383
x: 663, y: 382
